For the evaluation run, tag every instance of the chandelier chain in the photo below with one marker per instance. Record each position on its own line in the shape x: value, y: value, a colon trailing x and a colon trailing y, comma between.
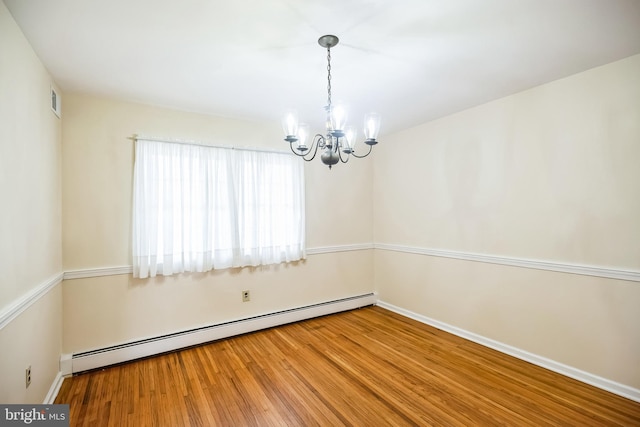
x: 329, y: 77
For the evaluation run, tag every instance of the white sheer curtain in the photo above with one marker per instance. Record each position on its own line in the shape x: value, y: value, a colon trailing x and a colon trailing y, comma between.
x: 196, y: 208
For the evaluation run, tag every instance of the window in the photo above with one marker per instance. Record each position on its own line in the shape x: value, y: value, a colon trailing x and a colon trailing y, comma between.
x: 196, y: 208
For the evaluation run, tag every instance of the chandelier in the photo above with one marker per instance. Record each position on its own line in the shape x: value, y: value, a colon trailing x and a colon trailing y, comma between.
x: 337, y: 144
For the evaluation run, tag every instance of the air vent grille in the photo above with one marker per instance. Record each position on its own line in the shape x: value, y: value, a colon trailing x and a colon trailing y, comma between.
x: 55, y: 102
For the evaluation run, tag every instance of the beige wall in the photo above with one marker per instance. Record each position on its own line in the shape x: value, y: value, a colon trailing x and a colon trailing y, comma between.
x: 104, y: 311
x: 547, y: 174
x: 34, y: 338
x: 97, y: 182
x: 550, y: 173
x: 30, y: 218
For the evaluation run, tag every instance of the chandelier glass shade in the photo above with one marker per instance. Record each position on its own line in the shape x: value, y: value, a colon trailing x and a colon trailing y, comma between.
x: 338, y: 142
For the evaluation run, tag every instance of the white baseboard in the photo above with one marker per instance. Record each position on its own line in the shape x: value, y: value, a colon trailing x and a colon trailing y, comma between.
x: 577, y: 374
x: 125, y: 352
x: 65, y: 364
x: 54, y: 389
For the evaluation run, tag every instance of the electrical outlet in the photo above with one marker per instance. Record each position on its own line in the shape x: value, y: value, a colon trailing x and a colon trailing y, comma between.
x: 246, y: 296
x: 27, y: 377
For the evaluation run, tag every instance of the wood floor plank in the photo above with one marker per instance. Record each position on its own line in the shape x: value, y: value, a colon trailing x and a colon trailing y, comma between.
x: 363, y: 367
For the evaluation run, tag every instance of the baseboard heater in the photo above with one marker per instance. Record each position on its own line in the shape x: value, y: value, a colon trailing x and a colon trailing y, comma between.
x: 94, y: 359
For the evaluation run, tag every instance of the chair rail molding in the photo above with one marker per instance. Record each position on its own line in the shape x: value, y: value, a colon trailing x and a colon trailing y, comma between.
x: 128, y: 269
x: 586, y: 270
x: 13, y: 310
x: 560, y: 267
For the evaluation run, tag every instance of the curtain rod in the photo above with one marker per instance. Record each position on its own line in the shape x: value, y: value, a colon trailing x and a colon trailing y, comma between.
x: 203, y: 144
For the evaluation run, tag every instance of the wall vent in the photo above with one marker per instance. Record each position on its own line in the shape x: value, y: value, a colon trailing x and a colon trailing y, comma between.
x: 55, y: 102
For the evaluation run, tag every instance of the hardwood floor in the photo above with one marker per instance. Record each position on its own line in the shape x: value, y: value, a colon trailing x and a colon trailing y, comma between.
x: 367, y: 367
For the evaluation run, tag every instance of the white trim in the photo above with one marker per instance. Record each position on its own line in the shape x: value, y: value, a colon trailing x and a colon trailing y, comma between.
x: 577, y: 374
x: 586, y: 270
x: 14, y: 309
x: 156, y: 345
x: 609, y: 273
x: 54, y: 389
x: 65, y: 364
x: 97, y: 272
x: 128, y: 269
x: 341, y: 248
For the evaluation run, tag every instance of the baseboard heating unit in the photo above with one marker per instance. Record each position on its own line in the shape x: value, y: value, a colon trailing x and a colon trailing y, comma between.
x: 94, y: 359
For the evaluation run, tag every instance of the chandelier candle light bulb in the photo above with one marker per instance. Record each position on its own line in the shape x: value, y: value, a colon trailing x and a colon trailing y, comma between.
x: 350, y: 135
x: 339, y: 138
x: 290, y: 126
x: 303, y: 132
x: 338, y: 115
x: 371, y: 127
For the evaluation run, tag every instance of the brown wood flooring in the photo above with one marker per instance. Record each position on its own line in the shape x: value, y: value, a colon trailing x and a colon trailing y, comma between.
x: 367, y: 367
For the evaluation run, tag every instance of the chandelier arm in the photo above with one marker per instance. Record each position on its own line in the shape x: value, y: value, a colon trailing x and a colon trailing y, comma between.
x: 294, y: 151
x: 362, y: 157
x: 318, y: 141
x: 341, y: 159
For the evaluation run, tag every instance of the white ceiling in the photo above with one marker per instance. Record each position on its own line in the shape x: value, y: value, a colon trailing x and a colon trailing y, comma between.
x: 409, y: 60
